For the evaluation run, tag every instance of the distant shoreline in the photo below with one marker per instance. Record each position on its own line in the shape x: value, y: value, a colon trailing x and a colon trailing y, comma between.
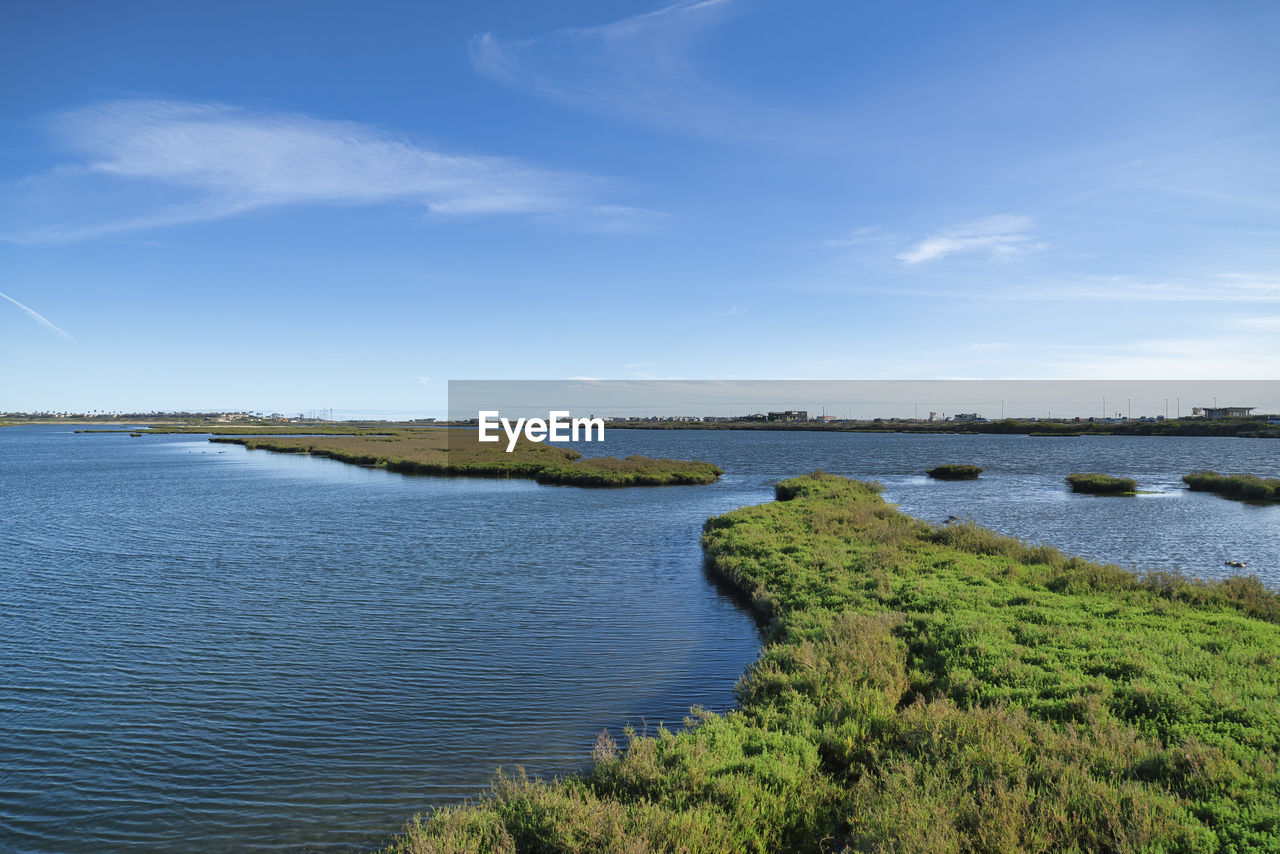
x: 1250, y: 428
x: 1253, y: 427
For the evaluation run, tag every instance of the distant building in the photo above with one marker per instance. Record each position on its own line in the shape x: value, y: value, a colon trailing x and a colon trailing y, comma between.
x: 967, y: 416
x: 790, y: 415
x: 1215, y: 412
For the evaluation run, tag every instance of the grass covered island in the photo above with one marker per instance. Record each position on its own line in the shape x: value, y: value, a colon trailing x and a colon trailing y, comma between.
x: 939, y: 689
x: 954, y: 471
x: 458, y: 453
x: 1092, y: 483
x: 1246, y: 487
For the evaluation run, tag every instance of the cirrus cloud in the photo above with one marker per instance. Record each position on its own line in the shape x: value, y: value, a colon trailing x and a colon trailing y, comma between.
x: 1002, y: 237
x: 641, y: 68
x: 148, y: 163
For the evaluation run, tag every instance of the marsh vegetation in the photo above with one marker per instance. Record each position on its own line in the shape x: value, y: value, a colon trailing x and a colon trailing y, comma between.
x: 278, y: 429
x: 1092, y: 483
x: 954, y: 471
x: 1247, y: 487
x: 928, y: 688
x: 457, y: 453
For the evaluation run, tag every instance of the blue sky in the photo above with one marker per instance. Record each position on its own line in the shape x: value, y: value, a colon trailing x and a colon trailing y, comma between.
x: 296, y: 205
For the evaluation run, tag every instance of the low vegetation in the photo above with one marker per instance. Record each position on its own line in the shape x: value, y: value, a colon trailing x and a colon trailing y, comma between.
x: 934, y: 688
x: 457, y: 453
x: 954, y: 471
x: 1244, y: 486
x: 1102, y: 484
x: 276, y: 429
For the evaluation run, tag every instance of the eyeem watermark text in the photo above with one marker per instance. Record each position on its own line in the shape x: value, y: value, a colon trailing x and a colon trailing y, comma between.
x: 558, y: 427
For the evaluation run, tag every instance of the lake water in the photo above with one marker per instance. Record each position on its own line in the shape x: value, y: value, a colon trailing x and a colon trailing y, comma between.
x: 1022, y: 490
x: 203, y: 647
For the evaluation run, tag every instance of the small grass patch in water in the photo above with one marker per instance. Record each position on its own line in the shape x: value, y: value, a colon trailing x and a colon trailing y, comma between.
x: 954, y: 471
x: 1092, y: 483
x: 1246, y: 487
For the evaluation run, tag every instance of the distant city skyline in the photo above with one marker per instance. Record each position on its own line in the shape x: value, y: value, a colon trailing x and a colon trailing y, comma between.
x: 298, y: 205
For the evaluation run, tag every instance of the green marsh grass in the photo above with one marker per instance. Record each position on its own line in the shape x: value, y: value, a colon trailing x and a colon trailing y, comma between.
x: 1101, y: 484
x: 457, y: 453
x: 279, y: 429
x: 954, y: 471
x: 1247, y: 487
x: 927, y: 688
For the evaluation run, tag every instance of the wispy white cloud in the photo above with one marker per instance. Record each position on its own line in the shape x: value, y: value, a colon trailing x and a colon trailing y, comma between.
x: 861, y: 236
x: 1001, y: 237
x: 732, y: 311
x: 39, y: 318
x: 620, y: 219
x: 147, y: 163
x: 638, y: 68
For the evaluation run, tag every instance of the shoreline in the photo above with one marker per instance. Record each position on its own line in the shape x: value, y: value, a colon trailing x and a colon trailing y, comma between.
x: 1246, y: 428
x: 1258, y: 426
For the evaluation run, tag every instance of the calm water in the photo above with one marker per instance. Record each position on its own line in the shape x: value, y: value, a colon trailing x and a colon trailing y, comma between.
x: 204, y: 647
x: 1022, y: 490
